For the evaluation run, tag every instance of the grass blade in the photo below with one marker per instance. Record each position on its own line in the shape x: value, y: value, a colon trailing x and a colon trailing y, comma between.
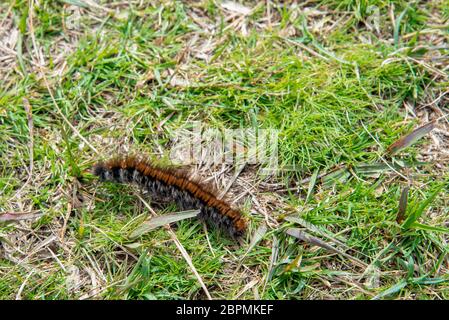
x: 312, y: 184
x: 77, y: 3
x: 397, y: 26
x: 8, y: 217
x: 402, y: 205
x: 163, y: 220
x: 318, y: 230
x: 339, y: 174
x: 392, y: 290
x: 257, y: 236
x: 414, y: 216
x: 301, y: 235
x: 410, y: 139
x: 426, y: 227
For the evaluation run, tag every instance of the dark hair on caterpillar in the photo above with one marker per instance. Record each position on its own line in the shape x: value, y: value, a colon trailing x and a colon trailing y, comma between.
x: 174, y: 184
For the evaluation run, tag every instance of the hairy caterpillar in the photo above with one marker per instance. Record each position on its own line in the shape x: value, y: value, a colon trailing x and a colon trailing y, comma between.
x: 174, y: 184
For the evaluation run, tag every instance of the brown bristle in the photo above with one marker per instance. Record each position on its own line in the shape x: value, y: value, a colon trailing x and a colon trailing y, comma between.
x: 175, y: 184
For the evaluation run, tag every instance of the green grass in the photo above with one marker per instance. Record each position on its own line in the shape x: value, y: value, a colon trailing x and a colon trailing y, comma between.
x: 338, y: 102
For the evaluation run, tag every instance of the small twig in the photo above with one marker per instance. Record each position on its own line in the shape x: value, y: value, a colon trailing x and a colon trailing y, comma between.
x: 189, y: 261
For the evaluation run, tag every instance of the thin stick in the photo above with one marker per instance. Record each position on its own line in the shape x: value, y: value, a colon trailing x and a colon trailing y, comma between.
x: 182, y: 250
